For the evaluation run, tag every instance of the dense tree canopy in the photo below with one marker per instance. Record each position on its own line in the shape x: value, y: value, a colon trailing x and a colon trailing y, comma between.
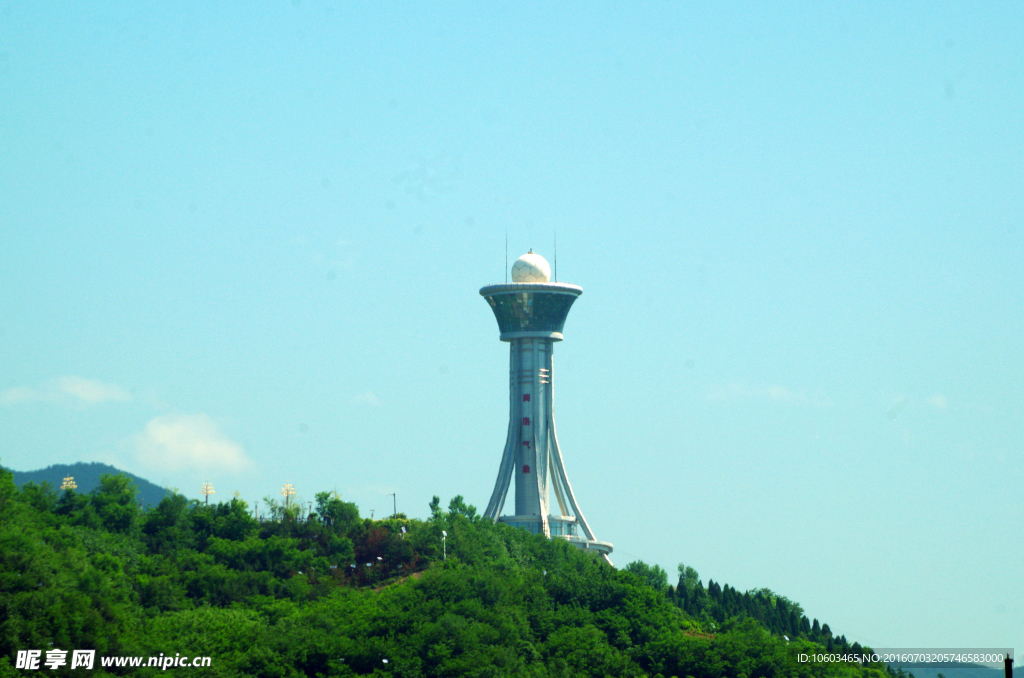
x: 328, y: 593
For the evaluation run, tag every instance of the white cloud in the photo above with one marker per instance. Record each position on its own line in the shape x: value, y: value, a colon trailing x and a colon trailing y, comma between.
x: 367, y: 398
x: 781, y: 394
x: 20, y: 394
x: 92, y: 391
x: 67, y: 389
x: 733, y: 392
x: 175, y: 442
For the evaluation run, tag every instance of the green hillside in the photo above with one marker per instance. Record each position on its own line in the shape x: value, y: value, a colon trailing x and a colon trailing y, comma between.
x: 334, y: 594
x: 87, y: 477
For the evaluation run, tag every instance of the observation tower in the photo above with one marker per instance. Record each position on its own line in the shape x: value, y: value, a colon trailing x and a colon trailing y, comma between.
x: 531, y: 312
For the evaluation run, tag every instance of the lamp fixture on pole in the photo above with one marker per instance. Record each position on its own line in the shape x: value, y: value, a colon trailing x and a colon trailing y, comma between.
x: 288, y: 491
x: 206, y: 490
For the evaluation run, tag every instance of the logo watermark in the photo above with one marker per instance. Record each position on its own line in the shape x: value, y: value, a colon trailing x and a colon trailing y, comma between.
x: 36, y: 660
x: 916, y: 657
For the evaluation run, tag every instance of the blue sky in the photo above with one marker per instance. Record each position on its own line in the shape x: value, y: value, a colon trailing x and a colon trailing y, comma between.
x: 245, y: 245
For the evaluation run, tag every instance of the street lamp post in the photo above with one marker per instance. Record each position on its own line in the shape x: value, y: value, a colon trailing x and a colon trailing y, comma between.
x: 288, y: 491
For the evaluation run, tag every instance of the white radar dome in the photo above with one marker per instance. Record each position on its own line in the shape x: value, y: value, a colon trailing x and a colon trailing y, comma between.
x: 531, y: 268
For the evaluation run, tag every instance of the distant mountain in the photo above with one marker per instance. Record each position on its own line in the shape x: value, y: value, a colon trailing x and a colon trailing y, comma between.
x: 87, y: 477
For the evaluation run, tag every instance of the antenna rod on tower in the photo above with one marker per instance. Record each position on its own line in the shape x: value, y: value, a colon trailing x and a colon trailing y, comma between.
x: 506, y: 256
x: 556, y: 254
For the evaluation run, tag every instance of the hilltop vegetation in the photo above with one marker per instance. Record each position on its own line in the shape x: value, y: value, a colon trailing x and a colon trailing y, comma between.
x: 716, y: 604
x: 328, y: 593
x: 87, y: 477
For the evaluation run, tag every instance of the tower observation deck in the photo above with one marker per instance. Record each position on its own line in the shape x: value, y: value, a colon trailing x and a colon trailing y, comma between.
x: 531, y: 313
